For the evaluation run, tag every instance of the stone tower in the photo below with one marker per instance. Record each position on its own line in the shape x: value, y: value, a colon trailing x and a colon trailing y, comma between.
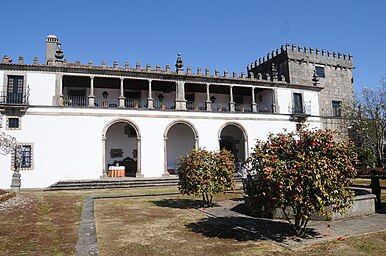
x: 307, y: 66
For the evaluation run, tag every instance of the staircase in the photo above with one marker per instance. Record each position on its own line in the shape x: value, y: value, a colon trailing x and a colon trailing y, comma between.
x: 108, y: 183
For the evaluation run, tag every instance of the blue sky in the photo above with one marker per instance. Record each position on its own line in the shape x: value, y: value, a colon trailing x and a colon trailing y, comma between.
x: 226, y: 35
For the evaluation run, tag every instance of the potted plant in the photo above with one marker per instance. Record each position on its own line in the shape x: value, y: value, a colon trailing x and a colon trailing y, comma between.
x: 136, y: 105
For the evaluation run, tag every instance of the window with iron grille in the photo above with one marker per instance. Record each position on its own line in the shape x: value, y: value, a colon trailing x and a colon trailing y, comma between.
x: 13, y: 123
x: 319, y: 70
x: 336, y: 108
x: 26, y: 157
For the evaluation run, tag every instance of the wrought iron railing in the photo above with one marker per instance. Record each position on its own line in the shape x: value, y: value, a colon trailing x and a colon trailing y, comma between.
x: 165, y: 104
x: 135, y: 103
x: 264, y: 109
x: 300, y: 109
x: 243, y: 107
x: 75, y: 101
x: 106, y: 102
x: 14, y: 98
x: 195, y: 106
x: 220, y: 107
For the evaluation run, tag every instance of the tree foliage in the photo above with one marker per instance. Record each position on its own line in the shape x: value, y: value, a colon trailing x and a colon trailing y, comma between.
x: 302, y: 172
x: 366, y: 120
x: 206, y: 173
x: 7, y: 142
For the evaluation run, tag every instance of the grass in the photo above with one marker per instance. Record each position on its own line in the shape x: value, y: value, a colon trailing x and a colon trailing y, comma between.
x: 48, y: 224
x: 163, y: 226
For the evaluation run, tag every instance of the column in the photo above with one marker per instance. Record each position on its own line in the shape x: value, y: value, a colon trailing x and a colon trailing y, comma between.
x: 60, y: 91
x: 150, y: 100
x: 104, y: 170
x: 91, y: 97
x: 208, y: 102
x: 254, y: 105
x: 180, y: 96
x: 121, y: 96
x: 275, y: 106
x: 231, y: 103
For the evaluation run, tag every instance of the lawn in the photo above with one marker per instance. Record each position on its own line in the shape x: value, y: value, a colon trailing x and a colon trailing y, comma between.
x: 170, y: 225
x: 46, y: 223
x: 42, y: 223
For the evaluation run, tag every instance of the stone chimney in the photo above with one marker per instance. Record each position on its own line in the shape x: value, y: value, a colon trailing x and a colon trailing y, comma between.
x: 52, y: 43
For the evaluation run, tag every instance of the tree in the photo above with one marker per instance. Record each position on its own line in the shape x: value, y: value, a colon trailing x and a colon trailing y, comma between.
x: 303, y: 172
x: 7, y: 142
x: 366, y: 121
x: 206, y: 173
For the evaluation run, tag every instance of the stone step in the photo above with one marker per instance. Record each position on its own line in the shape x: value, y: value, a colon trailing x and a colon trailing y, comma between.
x: 113, y: 183
x: 106, y: 183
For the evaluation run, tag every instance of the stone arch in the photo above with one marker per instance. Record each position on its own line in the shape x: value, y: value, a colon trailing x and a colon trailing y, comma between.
x: 167, y: 129
x: 244, y: 133
x: 104, y: 133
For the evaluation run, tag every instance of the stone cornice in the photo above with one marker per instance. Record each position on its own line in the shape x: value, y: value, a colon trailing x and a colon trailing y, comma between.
x: 135, y: 73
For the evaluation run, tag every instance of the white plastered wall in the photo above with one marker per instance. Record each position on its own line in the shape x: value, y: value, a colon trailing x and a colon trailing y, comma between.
x: 68, y: 142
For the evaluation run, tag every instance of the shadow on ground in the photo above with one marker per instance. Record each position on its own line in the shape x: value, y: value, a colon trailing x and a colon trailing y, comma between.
x: 381, y: 208
x: 245, y: 229
x: 181, y: 203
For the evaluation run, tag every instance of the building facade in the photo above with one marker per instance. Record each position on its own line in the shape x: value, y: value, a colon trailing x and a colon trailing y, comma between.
x: 75, y: 120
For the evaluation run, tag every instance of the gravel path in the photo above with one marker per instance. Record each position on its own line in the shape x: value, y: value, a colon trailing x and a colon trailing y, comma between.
x: 20, y: 202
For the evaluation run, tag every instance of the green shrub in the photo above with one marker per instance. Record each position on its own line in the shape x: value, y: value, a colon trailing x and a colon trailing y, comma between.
x: 206, y: 173
x: 304, y: 172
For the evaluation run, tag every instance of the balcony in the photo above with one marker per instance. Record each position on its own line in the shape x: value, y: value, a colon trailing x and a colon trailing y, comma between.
x: 243, y: 107
x: 140, y: 93
x: 13, y: 102
x: 301, y: 112
x: 13, y: 98
x: 196, y: 106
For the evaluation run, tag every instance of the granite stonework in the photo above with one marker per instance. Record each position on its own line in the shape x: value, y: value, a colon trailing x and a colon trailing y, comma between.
x: 296, y: 65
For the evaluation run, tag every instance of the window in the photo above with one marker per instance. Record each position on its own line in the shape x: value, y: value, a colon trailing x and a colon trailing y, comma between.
x: 13, y: 123
x: 319, y: 70
x: 336, y: 108
x: 297, y: 105
x: 298, y: 127
x: 15, y: 89
x: 26, y: 157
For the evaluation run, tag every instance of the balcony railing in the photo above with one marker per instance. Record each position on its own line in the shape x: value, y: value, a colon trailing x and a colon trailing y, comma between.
x: 106, y: 102
x: 243, y: 107
x: 13, y: 98
x: 263, y: 109
x: 135, y: 103
x: 301, y: 110
x: 165, y: 104
x: 220, y: 107
x: 75, y: 101
x: 197, y: 106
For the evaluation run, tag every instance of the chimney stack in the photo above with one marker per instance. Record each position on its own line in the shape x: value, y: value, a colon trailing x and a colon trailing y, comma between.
x: 51, y: 47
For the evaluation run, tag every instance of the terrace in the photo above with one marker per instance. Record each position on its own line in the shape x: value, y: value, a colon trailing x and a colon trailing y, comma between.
x: 138, y: 93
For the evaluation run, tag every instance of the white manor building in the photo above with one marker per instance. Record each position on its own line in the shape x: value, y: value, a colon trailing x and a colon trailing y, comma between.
x: 76, y: 120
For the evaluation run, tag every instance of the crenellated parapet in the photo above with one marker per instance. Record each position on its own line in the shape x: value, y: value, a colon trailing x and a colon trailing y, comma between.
x: 104, y: 67
x: 275, y: 65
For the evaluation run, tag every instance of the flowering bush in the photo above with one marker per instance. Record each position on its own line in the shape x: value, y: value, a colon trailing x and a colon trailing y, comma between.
x: 304, y: 172
x: 206, y: 173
